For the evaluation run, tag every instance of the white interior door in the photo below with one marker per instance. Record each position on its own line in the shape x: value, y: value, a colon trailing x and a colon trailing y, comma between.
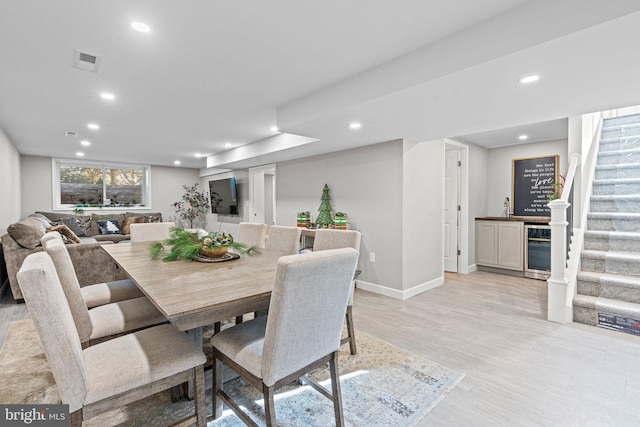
x: 451, y: 213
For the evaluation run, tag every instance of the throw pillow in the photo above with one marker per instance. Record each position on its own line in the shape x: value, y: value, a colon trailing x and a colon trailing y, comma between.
x: 131, y: 220
x: 94, y: 229
x: 46, y: 221
x: 77, y: 225
x: 109, y: 226
x: 27, y: 233
x: 149, y: 217
x: 68, y: 236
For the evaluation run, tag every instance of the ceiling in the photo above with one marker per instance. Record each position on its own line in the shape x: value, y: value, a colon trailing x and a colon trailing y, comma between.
x: 212, y: 78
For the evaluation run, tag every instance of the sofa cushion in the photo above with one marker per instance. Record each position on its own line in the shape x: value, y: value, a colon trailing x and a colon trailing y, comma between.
x: 131, y: 220
x: 109, y: 226
x: 28, y: 232
x: 82, y: 221
x: 149, y: 217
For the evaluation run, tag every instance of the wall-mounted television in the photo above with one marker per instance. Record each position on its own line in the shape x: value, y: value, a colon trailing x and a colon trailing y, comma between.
x: 224, y: 196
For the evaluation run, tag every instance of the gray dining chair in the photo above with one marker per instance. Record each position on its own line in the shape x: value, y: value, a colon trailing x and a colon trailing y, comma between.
x: 284, y: 239
x: 114, y: 373
x: 101, y: 293
x: 333, y: 239
x: 149, y: 232
x: 252, y: 234
x: 105, y: 321
x: 301, y: 332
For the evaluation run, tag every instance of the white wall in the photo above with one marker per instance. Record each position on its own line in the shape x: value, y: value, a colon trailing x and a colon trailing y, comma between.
x: 422, y: 216
x: 499, y: 169
x: 166, y: 187
x: 10, y: 183
x: 367, y: 184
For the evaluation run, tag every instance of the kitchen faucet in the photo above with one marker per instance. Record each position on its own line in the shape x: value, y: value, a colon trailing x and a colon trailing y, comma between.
x: 507, y: 204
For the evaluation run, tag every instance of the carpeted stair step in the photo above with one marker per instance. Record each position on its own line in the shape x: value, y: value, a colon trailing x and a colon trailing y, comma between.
x: 612, y: 286
x: 626, y: 186
x: 587, y: 307
x: 615, y: 203
x: 628, y: 130
x: 617, y: 262
x: 619, y: 157
x: 613, y: 221
x: 622, y: 120
x: 617, y: 144
x: 620, y: 241
x: 626, y: 170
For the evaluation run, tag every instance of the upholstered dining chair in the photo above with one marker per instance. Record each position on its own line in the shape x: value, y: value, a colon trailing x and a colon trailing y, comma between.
x: 96, y: 324
x: 301, y: 332
x: 334, y: 239
x: 150, y: 232
x: 252, y: 234
x: 113, y: 373
x: 284, y: 239
x: 102, y: 293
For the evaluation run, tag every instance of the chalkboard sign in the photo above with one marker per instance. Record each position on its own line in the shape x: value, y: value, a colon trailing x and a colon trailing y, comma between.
x: 533, y: 181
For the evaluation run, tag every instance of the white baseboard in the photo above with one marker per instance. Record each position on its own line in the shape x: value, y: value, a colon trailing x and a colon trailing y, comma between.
x: 472, y: 268
x: 395, y: 293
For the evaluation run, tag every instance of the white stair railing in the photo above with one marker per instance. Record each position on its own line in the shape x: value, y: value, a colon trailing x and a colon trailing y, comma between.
x: 565, y: 263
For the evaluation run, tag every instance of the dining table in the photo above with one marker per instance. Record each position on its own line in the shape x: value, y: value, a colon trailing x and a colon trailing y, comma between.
x: 192, y: 294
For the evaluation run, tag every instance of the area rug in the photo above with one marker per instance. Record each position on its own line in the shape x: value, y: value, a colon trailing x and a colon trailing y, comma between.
x: 381, y: 386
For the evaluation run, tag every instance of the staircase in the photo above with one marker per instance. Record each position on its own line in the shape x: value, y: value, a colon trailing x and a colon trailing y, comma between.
x: 609, y: 280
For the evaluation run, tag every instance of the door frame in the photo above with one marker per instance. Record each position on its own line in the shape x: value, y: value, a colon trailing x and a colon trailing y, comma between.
x: 463, y: 197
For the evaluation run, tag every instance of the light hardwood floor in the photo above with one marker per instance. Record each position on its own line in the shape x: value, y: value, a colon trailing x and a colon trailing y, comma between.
x: 520, y: 369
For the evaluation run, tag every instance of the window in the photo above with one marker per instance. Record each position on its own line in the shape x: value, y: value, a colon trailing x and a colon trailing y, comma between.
x: 84, y: 184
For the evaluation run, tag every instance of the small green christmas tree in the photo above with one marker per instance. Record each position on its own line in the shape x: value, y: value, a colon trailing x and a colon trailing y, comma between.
x: 324, y: 219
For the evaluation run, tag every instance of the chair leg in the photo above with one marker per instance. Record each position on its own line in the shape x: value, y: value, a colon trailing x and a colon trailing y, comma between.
x: 351, y: 331
x: 75, y: 418
x: 336, y: 391
x: 269, y: 406
x: 200, y: 402
x: 216, y: 402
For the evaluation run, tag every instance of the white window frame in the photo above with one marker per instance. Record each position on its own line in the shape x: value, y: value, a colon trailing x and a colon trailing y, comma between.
x: 55, y: 171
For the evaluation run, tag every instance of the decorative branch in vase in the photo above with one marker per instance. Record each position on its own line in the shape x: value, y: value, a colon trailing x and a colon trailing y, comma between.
x: 194, y: 204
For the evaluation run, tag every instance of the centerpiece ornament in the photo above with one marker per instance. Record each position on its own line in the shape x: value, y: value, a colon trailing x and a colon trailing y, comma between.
x: 183, y: 244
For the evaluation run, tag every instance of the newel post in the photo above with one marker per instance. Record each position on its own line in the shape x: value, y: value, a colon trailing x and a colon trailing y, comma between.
x: 557, y: 303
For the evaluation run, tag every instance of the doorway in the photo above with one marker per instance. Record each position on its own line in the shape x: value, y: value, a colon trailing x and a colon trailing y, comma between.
x: 455, y: 244
x: 262, y: 194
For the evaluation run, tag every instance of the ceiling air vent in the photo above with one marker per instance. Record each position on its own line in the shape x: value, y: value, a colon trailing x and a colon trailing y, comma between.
x: 87, y: 61
x: 71, y: 133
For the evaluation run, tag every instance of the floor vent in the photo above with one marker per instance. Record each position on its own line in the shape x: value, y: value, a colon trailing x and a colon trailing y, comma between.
x: 87, y: 61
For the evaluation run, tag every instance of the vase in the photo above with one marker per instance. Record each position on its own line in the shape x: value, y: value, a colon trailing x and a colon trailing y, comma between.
x: 213, y: 252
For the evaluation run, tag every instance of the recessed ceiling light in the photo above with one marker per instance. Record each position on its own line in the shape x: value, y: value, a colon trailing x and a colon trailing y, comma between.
x: 108, y: 96
x: 93, y: 126
x: 85, y: 143
x: 355, y: 125
x: 274, y: 128
x: 227, y: 144
x: 530, y: 79
x: 79, y: 154
x: 141, y: 26
x: 198, y: 155
x: 523, y: 137
x: 177, y: 162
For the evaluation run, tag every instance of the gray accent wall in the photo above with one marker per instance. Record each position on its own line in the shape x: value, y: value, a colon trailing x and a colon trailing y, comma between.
x: 10, y: 183
x: 393, y: 194
x: 366, y: 183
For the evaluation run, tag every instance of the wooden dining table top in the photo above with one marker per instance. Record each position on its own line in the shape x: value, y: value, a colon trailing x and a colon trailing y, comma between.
x: 192, y: 294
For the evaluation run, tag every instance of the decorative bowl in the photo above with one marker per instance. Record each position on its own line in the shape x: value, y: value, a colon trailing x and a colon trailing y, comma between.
x: 213, y: 252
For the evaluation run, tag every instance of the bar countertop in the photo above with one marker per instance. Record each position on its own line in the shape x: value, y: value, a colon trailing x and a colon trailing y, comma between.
x: 527, y: 219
